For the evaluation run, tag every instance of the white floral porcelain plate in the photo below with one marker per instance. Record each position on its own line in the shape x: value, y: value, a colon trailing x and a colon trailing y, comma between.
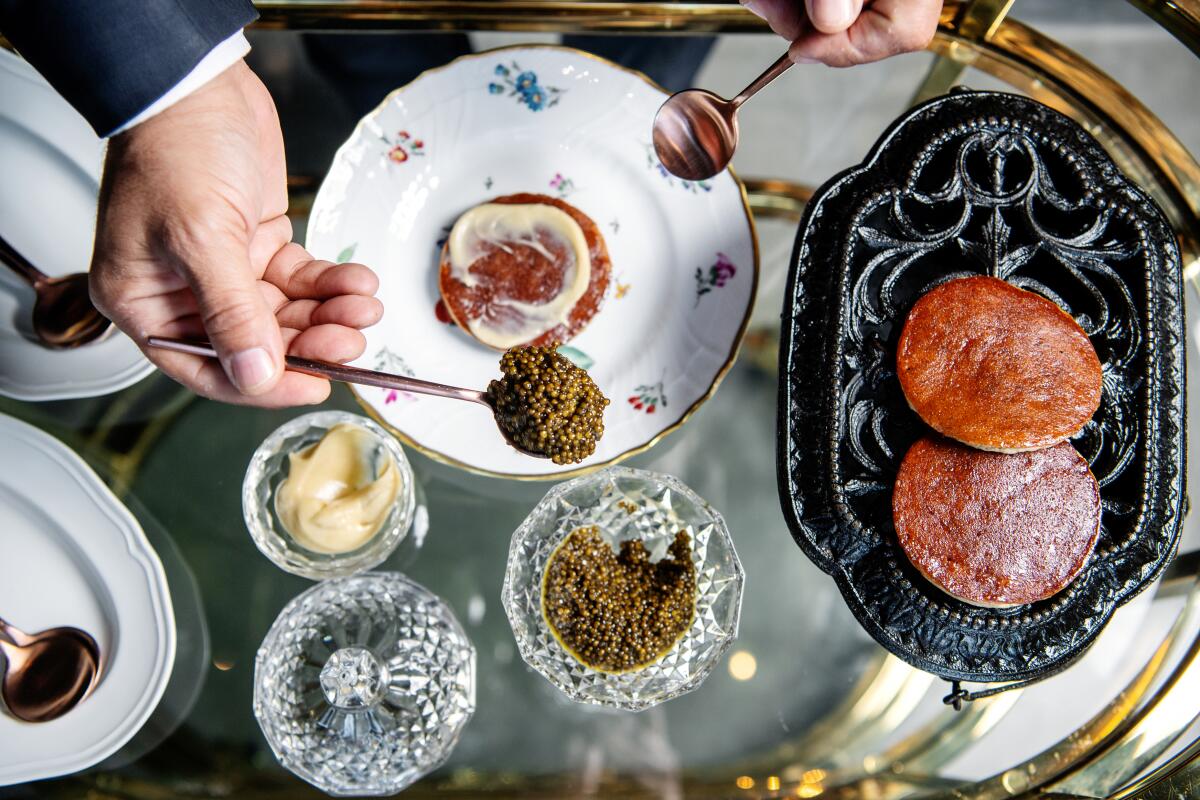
x: 50, y: 160
x: 564, y: 123
x: 72, y: 554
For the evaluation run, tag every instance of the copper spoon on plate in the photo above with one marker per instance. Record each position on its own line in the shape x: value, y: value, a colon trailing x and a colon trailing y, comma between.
x: 345, y: 374
x: 46, y: 674
x: 63, y: 314
x: 696, y: 132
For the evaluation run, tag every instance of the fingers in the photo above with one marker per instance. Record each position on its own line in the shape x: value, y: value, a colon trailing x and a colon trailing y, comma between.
x: 885, y: 28
x: 786, y: 17
x: 298, y: 275
x: 207, y: 378
x: 348, y: 310
x: 270, y: 238
x: 324, y: 342
x: 842, y: 33
x: 327, y: 343
x: 239, y: 322
x: 833, y: 16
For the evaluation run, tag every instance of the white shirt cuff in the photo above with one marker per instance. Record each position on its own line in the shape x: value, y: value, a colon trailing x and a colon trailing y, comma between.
x: 219, y: 59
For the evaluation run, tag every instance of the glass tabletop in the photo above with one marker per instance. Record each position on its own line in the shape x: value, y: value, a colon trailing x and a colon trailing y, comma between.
x: 803, y: 703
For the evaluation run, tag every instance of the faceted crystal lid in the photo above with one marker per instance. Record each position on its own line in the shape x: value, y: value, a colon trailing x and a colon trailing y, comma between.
x: 363, y: 684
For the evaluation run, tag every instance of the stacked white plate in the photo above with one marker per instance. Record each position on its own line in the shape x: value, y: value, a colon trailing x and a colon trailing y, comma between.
x: 72, y: 554
x: 50, y: 161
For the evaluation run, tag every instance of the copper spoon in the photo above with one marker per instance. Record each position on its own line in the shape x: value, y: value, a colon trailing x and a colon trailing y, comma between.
x: 345, y: 374
x: 63, y: 314
x: 46, y: 674
x: 696, y: 132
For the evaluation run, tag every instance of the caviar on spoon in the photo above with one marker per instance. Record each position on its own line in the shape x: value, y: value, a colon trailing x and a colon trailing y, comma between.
x: 544, y: 405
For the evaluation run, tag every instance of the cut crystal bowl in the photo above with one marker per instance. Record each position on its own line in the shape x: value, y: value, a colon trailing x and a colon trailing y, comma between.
x: 363, y: 684
x: 268, y: 469
x: 626, y: 504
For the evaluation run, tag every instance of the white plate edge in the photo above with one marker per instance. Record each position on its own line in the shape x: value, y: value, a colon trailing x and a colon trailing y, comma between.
x: 141, y: 552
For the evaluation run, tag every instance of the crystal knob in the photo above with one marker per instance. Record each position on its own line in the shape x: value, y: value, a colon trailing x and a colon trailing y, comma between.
x: 353, y: 677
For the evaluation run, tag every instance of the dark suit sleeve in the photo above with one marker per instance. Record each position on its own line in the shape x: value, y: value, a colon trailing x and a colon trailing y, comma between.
x: 112, y: 58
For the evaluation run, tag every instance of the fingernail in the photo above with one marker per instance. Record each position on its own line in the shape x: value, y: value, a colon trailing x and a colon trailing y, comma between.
x: 251, y: 369
x: 753, y: 7
x: 805, y: 60
x: 831, y: 16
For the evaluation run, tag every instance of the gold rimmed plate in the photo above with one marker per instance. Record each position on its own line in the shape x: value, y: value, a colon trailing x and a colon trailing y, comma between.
x: 564, y: 123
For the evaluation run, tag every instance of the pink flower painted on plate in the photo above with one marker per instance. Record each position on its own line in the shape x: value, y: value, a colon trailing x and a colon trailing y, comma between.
x: 388, y: 361
x: 562, y: 186
x: 715, y: 277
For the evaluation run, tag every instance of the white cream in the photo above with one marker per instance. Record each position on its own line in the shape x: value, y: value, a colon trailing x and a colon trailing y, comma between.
x: 498, y: 226
x: 336, y: 496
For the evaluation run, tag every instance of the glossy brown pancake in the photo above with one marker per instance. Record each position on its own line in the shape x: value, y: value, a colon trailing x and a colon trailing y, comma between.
x: 524, y: 274
x: 997, y: 367
x: 996, y: 529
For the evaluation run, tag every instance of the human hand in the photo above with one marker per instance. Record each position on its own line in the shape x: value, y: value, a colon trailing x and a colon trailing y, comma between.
x: 842, y: 33
x: 192, y: 241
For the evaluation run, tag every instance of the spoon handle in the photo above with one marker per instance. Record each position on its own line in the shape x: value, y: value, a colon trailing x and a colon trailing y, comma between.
x: 337, y: 372
x: 772, y: 72
x: 19, y: 264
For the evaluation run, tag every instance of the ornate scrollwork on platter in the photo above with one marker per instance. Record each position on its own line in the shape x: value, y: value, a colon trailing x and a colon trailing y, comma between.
x: 978, y: 183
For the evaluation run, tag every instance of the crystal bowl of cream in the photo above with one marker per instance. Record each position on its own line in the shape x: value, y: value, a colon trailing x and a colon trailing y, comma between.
x: 328, y: 494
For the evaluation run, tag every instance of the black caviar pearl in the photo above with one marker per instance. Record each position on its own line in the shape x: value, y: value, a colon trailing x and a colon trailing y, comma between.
x: 547, y: 405
x: 618, y: 611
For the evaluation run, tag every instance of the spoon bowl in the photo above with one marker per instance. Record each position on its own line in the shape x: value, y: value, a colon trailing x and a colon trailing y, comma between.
x: 47, y: 674
x: 695, y: 131
x: 63, y: 314
x: 695, y: 134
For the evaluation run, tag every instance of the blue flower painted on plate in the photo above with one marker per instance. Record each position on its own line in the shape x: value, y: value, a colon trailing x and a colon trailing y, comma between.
x: 445, y: 234
x: 525, y: 87
x: 536, y: 100
x: 526, y: 82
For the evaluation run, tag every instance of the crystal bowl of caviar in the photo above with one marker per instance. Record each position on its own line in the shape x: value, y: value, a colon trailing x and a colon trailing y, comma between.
x: 364, y: 684
x: 623, y: 588
x: 273, y: 463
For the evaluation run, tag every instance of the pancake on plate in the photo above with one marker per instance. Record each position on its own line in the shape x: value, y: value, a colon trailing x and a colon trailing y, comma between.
x: 997, y: 367
x: 996, y: 529
x: 524, y: 269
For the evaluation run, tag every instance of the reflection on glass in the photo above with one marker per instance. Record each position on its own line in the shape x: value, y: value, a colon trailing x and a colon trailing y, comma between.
x: 363, y: 684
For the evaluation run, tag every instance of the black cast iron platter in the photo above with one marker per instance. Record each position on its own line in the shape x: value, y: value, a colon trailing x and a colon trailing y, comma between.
x: 978, y: 183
